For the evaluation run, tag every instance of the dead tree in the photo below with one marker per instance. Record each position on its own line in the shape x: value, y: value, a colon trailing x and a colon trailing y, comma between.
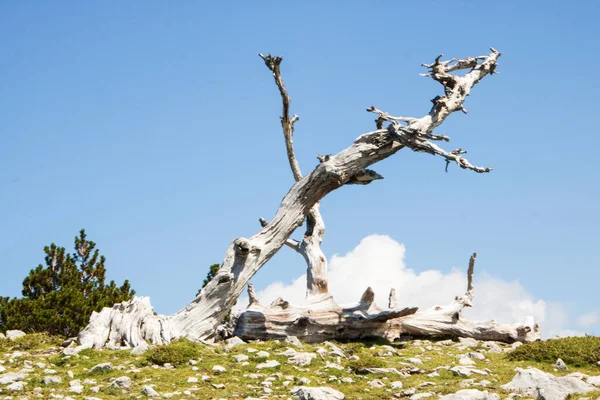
x: 132, y: 323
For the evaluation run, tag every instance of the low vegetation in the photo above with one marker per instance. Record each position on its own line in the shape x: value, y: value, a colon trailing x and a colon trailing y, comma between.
x: 189, y: 370
x: 575, y: 351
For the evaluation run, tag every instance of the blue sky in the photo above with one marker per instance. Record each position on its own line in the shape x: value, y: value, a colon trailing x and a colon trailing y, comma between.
x: 154, y: 126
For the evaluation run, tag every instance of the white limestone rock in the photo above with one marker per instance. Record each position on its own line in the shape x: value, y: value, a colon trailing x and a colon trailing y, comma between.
x: 302, y: 359
x: 149, y: 391
x: 123, y: 382
x: 294, y: 341
x: 219, y: 368
x: 470, y: 394
x: 268, y: 364
x: 234, y: 341
x: 14, y: 334
x: 560, y: 364
x: 316, y: 393
x: 16, y: 386
x: 538, y: 384
x: 104, y: 367
x: 47, y: 380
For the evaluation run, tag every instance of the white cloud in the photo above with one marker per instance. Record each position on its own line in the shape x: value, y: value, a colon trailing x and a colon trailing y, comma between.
x: 378, y: 262
x: 589, y: 319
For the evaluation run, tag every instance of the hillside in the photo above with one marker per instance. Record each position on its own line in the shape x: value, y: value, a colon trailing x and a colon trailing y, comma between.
x: 35, y: 366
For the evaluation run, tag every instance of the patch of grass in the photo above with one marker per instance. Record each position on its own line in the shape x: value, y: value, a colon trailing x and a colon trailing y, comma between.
x: 574, y: 351
x: 176, y: 353
x: 32, y: 341
x: 366, y: 362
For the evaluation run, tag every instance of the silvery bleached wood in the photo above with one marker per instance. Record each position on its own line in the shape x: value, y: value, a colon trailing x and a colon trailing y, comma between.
x: 132, y: 322
x: 448, y: 321
x: 325, y: 320
x: 310, y: 246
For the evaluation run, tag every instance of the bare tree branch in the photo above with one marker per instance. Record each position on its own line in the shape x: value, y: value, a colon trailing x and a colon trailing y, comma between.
x: 287, y: 123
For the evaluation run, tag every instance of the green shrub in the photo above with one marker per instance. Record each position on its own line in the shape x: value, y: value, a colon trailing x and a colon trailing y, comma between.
x: 176, y: 353
x: 574, y: 351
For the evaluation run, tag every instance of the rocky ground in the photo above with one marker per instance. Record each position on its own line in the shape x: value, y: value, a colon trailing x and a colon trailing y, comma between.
x: 38, y: 367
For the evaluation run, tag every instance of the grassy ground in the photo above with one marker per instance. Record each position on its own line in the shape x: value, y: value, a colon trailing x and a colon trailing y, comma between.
x: 242, y: 380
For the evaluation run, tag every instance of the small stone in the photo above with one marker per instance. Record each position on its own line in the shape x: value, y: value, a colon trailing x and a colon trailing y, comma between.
x: 304, y: 381
x: 192, y: 362
x: 316, y: 393
x: 420, y: 396
x: 49, y: 372
x: 464, y: 360
x: 192, y: 379
x: 294, y: 341
x: 347, y: 380
x: 76, y: 389
x: 140, y: 349
x: 470, y: 394
x: 560, y: 364
x: 396, y: 385
x: 251, y: 350
x: 263, y: 354
x: 376, y: 383
x: 149, y: 391
x: 467, y: 383
x: 321, y: 351
x: 70, y: 374
x: 218, y: 386
x: 234, y: 341
x: 95, y: 389
x: 268, y: 364
x: 461, y: 371
x: 105, y: 367
x: 11, y: 377
x: 219, y: 368
x: 13, y: 335
x: 416, y: 361
x: 240, y: 357
x: 17, y: 386
x: 333, y: 366
x: 469, y: 342
x: 122, y: 382
x: 47, y: 380
x: 302, y: 359
x: 476, y: 355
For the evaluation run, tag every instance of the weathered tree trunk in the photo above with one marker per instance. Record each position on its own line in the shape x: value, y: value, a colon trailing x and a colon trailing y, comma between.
x: 131, y: 323
x: 325, y: 320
